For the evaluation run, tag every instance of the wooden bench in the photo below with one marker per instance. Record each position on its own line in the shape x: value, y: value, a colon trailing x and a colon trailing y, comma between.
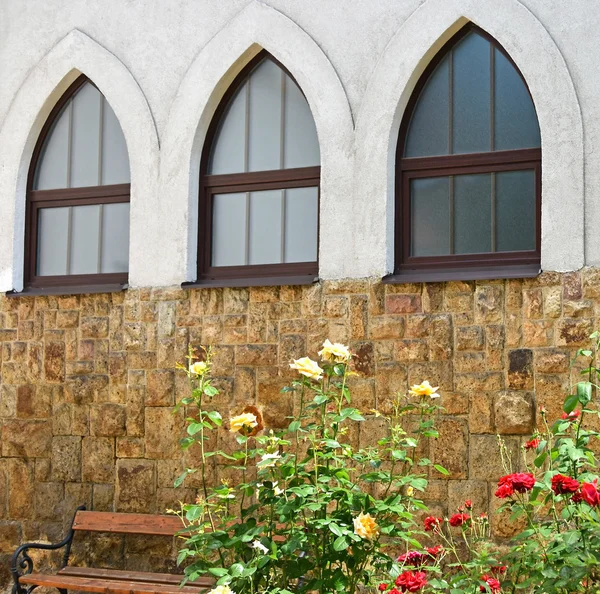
x: 107, y: 581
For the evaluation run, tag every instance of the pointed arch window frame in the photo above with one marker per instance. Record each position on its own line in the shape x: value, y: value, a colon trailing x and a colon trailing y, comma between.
x: 407, y: 268
x: 296, y: 273
x: 37, y: 200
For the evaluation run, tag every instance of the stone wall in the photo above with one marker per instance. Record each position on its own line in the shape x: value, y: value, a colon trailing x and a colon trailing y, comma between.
x: 88, y: 384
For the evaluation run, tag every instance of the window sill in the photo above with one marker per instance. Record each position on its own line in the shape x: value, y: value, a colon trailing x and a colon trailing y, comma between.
x: 66, y: 290
x: 267, y: 281
x: 462, y: 274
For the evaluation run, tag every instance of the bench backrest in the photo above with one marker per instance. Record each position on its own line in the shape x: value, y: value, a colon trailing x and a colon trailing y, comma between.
x: 120, y: 523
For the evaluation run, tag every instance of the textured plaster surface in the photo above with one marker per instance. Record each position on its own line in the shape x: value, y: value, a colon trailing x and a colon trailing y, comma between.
x: 165, y: 66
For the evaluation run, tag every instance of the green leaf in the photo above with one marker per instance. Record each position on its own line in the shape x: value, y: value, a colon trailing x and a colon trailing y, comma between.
x: 186, y: 442
x: 320, y: 399
x: 540, y: 459
x: 179, y: 480
x: 294, y: 426
x: 441, y: 469
x: 236, y: 569
x: 584, y: 392
x: 570, y: 403
x: 218, y: 571
x: 340, y: 543
x: 215, y: 417
x: 335, y: 529
x: 210, y: 390
x: 194, y: 428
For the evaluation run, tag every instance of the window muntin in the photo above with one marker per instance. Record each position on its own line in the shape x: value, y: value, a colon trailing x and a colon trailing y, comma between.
x: 78, y: 198
x: 469, y: 162
x: 260, y: 180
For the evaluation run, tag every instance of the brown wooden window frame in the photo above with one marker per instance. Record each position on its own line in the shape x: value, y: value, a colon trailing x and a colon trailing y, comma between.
x: 276, y: 179
x: 61, y: 197
x: 459, y: 266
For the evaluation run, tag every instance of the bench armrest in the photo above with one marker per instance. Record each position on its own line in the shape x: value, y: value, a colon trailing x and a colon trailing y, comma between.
x: 22, y: 564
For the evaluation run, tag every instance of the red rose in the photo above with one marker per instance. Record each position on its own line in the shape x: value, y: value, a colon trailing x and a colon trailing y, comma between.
x: 577, y: 498
x: 590, y: 493
x: 492, y: 583
x: 382, y: 587
x: 572, y: 416
x: 532, y: 444
x: 435, y: 551
x: 519, y: 481
x: 394, y: 591
x: 412, y: 558
x: 561, y: 484
x: 469, y: 504
x: 411, y: 581
x: 498, y: 569
x: 431, y: 523
x: 504, y: 491
x: 459, y: 519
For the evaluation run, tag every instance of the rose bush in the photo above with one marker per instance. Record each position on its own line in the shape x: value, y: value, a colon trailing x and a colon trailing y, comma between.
x: 311, y: 511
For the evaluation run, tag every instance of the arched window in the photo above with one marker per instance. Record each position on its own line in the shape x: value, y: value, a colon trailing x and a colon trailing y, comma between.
x: 78, y: 196
x: 259, y: 184
x: 468, y: 191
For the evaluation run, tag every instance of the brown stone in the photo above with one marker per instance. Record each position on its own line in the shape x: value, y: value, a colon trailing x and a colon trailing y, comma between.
x: 54, y: 361
x: 256, y: 354
x: 66, y: 458
x: 481, y: 415
x: 551, y: 361
x: 21, y: 488
x: 485, y: 462
x: 401, y: 304
x: 107, y: 420
x: 472, y: 383
x: 389, y: 379
x: 335, y: 306
x: 135, y: 488
x: 475, y: 491
x: 275, y: 405
x: 26, y: 439
x: 520, y: 369
x: 488, y: 304
x: 10, y: 536
x: 386, y: 327
x: 469, y: 338
x: 160, y: 388
x: 572, y: 288
x: 411, y: 350
x: 533, y: 304
x: 514, y: 413
x: 49, y: 498
x: 163, y: 430
x: 450, y: 449
x: 574, y: 332
x: 98, y: 459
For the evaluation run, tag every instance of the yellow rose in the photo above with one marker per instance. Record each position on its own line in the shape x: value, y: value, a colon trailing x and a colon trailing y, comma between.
x: 199, y: 368
x: 424, y: 389
x: 336, y: 352
x: 242, y: 423
x: 308, y: 368
x: 365, y: 526
x: 222, y: 590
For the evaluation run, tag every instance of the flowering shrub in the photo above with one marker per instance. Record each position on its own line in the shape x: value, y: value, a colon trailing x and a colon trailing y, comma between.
x: 312, y: 511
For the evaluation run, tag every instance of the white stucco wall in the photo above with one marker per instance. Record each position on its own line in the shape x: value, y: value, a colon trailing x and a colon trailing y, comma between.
x: 164, y: 66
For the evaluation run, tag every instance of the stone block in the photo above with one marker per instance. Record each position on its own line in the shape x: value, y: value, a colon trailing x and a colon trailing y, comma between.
x: 49, y: 498
x: 135, y: 486
x: 440, y: 331
x: 481, y: 413
x: 574, y: 332
x: 572, y: 286
x: 256, y: 354
x: 66, y: 458
x: 103, y: 497
x: 489, y: 301
x: 163, y: 430
x: 363, y: 359
x: 98, y: 459
x: 94, y: 327
x: 390, y: 379
x: 160, y: 388
x: 402, y: 304
x: 514, y: 413
x: 54, y: 361
x: 461, y: 491
x: 26, y: 439
x: 10, y: 536
x: 551, y: 361
x: 469, y: 338
x: 520, y: 369
x: 485, y: 462
x: 21, y: 488
x: 130, y: 447
x: 107, y: 420
x: 450, y: 448
x: 276, y: 407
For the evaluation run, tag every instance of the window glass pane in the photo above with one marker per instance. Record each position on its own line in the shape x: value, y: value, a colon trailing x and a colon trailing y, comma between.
x: 264, y: 142
x: 472, y: 213
x: 230, y: 145
x: 430, y: 216
x: 85, y: 137
x: 115, y: 159
x: 53, y: 238
x: 515, y: 211
x: 515, y: 124
x: 471, y: 95
x: 115, y: 237
x: 52, y: 167
x: 85, y: 239
x: 301, y: 224
x: 301, y: 146
x: 428, y: 130
x: 265, y: 227
x: 229, y: 230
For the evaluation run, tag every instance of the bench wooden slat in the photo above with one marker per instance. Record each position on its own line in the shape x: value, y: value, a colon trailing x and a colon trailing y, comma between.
x: 104, y: 586
x: 133, y: 576
x: 127, y: 523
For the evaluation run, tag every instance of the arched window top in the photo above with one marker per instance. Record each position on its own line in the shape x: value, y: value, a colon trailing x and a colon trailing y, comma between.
x: 473, y: 100
x: 468, y: 193
x: 265, y: 125
x: 77, y: 222
x: 84, y: 145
